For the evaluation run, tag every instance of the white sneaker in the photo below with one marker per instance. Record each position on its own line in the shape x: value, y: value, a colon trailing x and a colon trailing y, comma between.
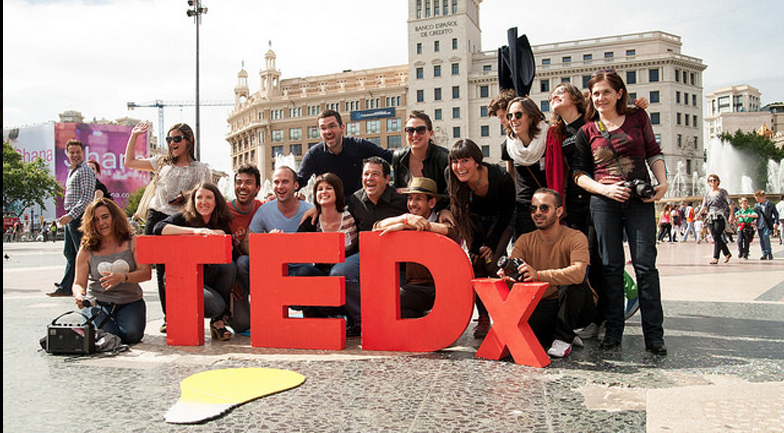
x: 588, y: 332
x: 559, y: 349
x: 578, y: 342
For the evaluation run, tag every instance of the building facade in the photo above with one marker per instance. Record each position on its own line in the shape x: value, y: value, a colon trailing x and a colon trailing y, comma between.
x: 738, y: 107
x: 451, y: 78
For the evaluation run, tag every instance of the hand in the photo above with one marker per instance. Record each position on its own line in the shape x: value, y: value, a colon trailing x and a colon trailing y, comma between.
x: 112, y: 279
x: 63, y: 220
x: 641, y: 103
x: 311, y: 213
x: 79, y: 295
x: 204, y: 231
x: 617, y: 192
x: 140, y: 128
x: 446, y: 217
x: 660, y: 190
x: 417, y: 222
x: 486, y: 254
x: 393, y: 228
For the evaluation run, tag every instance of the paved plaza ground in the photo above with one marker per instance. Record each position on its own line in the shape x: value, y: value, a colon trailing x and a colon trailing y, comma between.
x: 724, y: 327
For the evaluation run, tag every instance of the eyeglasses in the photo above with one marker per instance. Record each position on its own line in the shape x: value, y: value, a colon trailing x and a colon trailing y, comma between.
x: 176, y: 139
x: 542, y: 207
x: 605, y: 72
x: 713, y: 180
x: 557, y: 92
x: 421, y: 130
x: 517, y: 115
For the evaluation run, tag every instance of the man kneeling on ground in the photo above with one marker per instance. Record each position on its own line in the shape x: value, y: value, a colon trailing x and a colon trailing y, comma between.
x: 557, y: 255
x: 418, y: 293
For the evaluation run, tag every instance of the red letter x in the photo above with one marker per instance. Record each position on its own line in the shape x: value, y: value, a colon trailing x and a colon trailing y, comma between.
x: 510, y: 312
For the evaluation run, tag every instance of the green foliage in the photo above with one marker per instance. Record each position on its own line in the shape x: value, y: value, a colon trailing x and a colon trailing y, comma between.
x: 133, y: 201
x: 26, y: 184
x: 757, y: 149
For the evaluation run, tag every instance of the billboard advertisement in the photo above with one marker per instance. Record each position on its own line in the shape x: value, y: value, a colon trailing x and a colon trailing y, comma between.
x: 106, y: 145
x: 32, y: 142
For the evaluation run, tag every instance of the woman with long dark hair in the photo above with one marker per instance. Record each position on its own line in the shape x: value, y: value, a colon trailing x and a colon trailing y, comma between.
x: 614, y: 150
x: 107, y: 270
x: 207, y: 213
x: 717, y: 206
x: 482, y: 200
x: 178, y: 172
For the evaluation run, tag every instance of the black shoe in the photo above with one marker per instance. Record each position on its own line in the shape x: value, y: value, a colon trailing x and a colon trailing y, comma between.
x: 770, y: 256
x: 163, y: 328
x: 353, y: 331
x: 657, y: 348
x: 610, y: 345
x: 58, y: 293
x: 764, y: 257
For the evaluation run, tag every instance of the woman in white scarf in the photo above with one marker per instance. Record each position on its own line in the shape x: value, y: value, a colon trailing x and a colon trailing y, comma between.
x: 525, y: 145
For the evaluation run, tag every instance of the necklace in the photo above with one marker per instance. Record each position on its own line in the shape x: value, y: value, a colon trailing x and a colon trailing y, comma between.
x: 478, y: 182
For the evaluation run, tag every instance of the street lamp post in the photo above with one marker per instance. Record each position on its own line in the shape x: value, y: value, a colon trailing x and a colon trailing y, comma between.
x: 196, y: 10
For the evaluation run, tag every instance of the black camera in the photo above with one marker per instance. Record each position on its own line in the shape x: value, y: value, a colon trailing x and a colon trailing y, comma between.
x: 510, y: 265
x: 640, y: 188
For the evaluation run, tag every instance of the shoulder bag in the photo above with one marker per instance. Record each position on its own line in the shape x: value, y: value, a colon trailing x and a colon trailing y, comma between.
x: 149, y: 192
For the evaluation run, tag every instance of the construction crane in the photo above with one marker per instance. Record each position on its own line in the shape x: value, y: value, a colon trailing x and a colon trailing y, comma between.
x: 160, y: 104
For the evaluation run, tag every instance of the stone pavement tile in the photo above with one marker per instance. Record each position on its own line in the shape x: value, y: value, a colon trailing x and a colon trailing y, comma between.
x: 726, y: 405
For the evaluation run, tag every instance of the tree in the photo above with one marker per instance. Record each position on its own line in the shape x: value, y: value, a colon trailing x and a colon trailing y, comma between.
x: 756, y: 148
x: 133, y: 201
x: 26, y: 184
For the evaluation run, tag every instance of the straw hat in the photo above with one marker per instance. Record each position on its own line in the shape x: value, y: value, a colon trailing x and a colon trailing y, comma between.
x: 423, y: 185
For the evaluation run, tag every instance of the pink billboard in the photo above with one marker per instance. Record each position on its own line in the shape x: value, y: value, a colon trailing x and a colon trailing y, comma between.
x: 106, y: 145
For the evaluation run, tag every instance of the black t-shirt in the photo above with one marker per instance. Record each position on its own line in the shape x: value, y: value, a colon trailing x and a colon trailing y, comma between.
x: 529, y: 178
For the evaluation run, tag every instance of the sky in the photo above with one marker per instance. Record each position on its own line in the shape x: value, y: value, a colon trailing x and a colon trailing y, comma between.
x: 95, y: 56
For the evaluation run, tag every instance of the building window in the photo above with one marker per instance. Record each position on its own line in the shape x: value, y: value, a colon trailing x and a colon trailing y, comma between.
x: 678, y: 118
x: 420, y: 95
x: 545, y: 62
x: 419, y: 48
x: 420, y: 73
x: 484, y: 91
x: 486, y: 151
x: 437, y: 93
x: 295, y: 134
x: 436, y: 8
x: 394, y: 142
x: 296, y: 149
x: 437, y: 114
x: 277, y: 150
x: 313, y: 132
x: 653, y: 75
x: 277, y: 135
x: 654, y: 97
x: 485, y: 131
x: 692, y: 78
x: 632, y: 96
x: 454, y: 40
x: 695, y: 146
x: 677, y: 97
x: 631, y: 53
x: 566, y: 80
x: 694, y: 100
x: 677, y: 76
x: 373, y: 126
x: 394, y: 125
x: 375, y: 140
x: 455, y: 68
x: 586, y: 79
x: 352, y: 128
x: 455, y: 92
x: 437, y: 70
x: 437, y: 46
x: 566, y: 59
x: 587, y: 58
x: 686, y: 119
x: 631, y: 77
x: 446, y: 7
x: 455, y: 112
x: 545, y: 106
x: 680, y: 141
x: 483, y: 111
x: 694, y: 120
x: 608, y: 55
x: 487, y: 68
x: 655, y: 120
x: 544, y: 86
x: 456, y: 132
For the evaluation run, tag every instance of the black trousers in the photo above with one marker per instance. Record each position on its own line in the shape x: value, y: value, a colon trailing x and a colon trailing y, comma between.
x: 558, y: 318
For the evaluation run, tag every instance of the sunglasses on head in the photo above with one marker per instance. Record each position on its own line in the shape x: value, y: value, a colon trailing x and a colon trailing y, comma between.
x: 517, y: 115
x: 557, y: 92
x: 605, y: 72
x: 421, y: 130
x: 542, y: 207
x: 176, y: 139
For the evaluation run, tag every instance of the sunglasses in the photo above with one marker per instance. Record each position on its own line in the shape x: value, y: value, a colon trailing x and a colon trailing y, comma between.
x: 176, y: 139
x: 517, y: 115
x: 421, y: 130
x: 605, y: 72
x: 542, y: 207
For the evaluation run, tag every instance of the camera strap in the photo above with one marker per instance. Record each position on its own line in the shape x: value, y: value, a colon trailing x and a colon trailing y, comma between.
x: 606, y: 135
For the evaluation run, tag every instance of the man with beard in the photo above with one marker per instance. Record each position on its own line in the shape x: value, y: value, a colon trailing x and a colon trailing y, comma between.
x: 338, y: 154
x: 558, y: 255
x: 419, y: 291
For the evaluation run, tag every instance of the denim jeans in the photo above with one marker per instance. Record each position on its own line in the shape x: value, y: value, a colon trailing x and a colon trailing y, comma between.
x: 637, y: 220
x: 349, y: 269
x: 764, y: 237
x: 73, y: 237
x: 127, y: 321
x: 218, y: 281
x: 689, y: 229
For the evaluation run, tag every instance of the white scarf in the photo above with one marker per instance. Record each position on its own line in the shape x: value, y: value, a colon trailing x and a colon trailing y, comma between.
x: 531, y: 154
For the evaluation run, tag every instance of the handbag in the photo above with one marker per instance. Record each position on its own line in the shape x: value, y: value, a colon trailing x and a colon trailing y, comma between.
x: 149, y: 192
